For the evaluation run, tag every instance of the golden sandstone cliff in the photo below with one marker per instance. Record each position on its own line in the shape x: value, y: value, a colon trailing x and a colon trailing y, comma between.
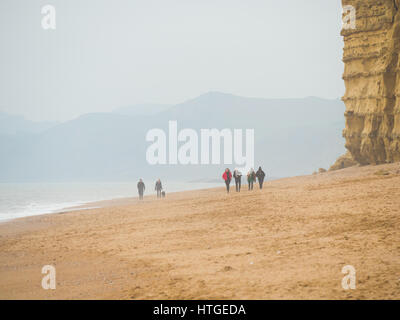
x: 372, y: 79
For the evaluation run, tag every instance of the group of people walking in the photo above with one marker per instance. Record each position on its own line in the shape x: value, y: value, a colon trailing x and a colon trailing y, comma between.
x: 158, y: 187
x: 252, y: 177
x: 237, y: 175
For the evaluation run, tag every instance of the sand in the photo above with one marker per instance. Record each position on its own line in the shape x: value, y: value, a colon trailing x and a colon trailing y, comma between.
x: 287, y: 241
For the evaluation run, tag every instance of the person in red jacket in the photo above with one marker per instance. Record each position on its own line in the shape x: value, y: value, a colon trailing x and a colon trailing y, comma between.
x: 227, y: 176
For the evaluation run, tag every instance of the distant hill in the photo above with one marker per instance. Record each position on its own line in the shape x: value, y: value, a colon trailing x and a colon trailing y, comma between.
x: 292, y: 137
x: 13, y: 124
x: 141, y: 109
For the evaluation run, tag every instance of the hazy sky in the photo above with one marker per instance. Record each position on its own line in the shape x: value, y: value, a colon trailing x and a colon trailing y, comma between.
x: 107, y: 54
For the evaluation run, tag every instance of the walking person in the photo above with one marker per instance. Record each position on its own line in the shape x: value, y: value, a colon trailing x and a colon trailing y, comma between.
x: 260, y: 176
x: 227, y: 176
x: 158, y: 188
x: 141, y: 187
x: 251, y: 177
x: 238, y: 179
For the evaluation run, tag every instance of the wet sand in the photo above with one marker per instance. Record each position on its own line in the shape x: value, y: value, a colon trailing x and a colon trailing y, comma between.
x: 287, y: 241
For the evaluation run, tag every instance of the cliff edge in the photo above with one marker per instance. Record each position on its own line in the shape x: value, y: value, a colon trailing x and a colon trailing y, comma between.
x: 372, y: 80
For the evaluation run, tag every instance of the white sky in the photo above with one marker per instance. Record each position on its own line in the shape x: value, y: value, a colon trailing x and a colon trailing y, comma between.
x: 107, y: 54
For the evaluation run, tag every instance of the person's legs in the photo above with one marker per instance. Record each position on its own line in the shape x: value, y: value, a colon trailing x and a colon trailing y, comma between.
x: 261, y: 181
x: 240, y: 184
x: 227, y: 185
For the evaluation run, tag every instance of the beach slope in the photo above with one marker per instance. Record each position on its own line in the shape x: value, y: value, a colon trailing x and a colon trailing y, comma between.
x: 289, y: 240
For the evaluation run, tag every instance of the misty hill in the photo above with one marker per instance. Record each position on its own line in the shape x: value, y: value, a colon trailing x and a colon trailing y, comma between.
x: 292, y: 137
x: 250, y: 112
x: 142, y: 109
x: 13, y: 124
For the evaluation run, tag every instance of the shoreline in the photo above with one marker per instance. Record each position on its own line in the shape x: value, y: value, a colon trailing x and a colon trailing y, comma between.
x: 97, y: 204
x: 127, y: 200
x: 289, y: 240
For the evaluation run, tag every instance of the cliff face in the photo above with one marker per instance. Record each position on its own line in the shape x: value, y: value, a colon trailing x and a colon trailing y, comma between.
x: 372, y: 79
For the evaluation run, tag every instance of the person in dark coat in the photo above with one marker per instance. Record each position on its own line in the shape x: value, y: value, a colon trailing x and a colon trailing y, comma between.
x: 227, y: 176
x: 260, y: 176
x: 158, y: 188
x: 141, y: 187
x: 238, y: 179
x: 251, y: 177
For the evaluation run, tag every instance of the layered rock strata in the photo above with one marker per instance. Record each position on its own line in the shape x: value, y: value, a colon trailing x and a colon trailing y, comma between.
x: 372, y: 80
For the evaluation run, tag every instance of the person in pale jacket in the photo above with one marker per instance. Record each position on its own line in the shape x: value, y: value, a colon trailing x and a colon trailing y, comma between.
x: 238, y: 179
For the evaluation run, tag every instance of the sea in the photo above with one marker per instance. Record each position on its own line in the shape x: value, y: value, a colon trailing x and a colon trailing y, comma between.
x: 28, y: 199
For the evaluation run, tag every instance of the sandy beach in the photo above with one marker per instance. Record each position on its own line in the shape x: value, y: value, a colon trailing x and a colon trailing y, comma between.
x: 287, y: 241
